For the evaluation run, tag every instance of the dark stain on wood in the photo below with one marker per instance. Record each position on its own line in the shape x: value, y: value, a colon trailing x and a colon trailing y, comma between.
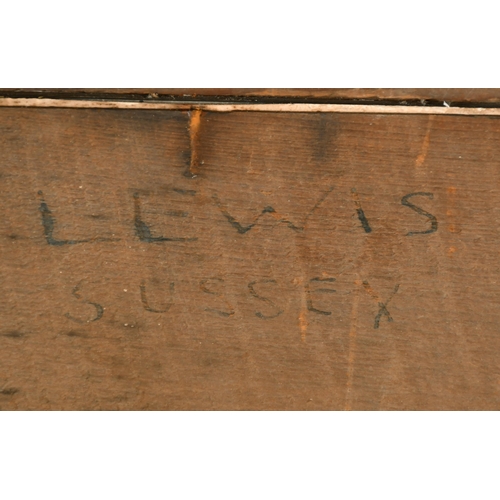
x: 10, y: 391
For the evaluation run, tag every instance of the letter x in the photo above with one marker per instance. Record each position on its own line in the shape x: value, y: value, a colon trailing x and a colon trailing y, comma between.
x: 382, y: 306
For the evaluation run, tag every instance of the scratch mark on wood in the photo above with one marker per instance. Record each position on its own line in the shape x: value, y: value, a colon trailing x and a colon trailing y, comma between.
x: 194, y: 131
x: 318, y: 203
x: 451, y: 191
x: 303, y: 323
x: 425, y: 145
x: 352, y: 346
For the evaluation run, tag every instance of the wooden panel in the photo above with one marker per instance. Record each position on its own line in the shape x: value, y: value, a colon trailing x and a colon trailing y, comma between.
x: 162, y: 260
x: 432, y: 96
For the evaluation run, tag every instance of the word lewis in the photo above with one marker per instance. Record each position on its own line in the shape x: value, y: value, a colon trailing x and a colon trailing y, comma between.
x: 142, y: 228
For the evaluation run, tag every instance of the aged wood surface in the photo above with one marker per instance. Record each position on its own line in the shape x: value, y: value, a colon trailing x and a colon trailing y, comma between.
x: 428, y: 96
x: 246, y: 260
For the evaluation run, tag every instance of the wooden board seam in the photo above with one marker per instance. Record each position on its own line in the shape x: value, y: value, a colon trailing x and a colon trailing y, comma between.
x: 275, y: 108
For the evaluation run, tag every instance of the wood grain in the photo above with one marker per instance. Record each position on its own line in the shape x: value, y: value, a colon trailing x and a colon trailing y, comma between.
x: 245, y: 260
